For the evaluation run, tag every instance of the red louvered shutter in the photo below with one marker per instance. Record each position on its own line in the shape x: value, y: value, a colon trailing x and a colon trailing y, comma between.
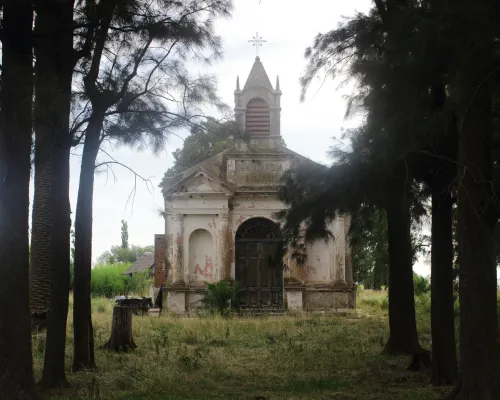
x: 257, y: 117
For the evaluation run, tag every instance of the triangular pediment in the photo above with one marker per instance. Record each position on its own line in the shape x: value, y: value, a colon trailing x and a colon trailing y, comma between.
x: 200, y: 181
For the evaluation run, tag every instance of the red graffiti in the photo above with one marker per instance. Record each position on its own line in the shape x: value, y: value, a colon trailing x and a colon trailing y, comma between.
x: 208, y: 271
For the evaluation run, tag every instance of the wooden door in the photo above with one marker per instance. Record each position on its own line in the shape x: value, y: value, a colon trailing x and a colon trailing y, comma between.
x: 259, y: 273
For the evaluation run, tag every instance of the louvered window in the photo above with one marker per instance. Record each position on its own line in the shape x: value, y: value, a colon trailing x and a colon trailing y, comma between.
x: 257, y: 117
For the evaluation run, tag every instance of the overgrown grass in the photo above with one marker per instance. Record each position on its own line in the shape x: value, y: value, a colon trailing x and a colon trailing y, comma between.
x: 309, y: 356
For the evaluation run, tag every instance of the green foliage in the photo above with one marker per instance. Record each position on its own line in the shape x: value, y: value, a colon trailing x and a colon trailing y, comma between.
x: 421, y: 285
x: 206, y: 139
x: 118, y: 254
x: 124, y: 234
x: 108, y: 280
x: 423, y: 304
x: 221, y: 296
x: 370, y: 249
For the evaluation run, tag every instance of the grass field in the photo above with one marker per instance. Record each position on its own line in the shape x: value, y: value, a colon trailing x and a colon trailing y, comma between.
x: 312, y: 356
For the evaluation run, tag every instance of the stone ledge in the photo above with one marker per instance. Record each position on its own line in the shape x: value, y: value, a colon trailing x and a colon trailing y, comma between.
x: 175, y: 287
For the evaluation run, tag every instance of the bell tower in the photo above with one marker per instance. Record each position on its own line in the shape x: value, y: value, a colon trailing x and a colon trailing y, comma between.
x: 258, y: 105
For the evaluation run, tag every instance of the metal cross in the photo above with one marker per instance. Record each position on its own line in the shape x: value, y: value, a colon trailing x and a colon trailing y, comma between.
x: 257, y: 42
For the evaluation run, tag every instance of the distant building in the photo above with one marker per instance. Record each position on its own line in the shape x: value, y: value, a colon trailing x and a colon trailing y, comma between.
x: 144, y: 263
x: 220, y: 222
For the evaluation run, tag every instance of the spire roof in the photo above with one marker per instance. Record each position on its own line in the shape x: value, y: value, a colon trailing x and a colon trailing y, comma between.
x: 258, y: 76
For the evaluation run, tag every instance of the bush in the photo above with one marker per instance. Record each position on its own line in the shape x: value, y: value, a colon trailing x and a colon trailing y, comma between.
x: 138, y: 283
x: 421, y: 285
x: 108, y: 280
x: 220, y: 296
x: 423, y: 304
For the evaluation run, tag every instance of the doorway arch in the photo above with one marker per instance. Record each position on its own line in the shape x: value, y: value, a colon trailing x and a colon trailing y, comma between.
x: 258, y: 263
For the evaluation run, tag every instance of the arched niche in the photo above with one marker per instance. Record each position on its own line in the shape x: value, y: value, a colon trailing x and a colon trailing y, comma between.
x: 201, y: 256
x: 257, y: 117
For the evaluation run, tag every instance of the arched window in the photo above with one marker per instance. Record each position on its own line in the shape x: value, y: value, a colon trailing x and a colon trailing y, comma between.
x: 257, y: 117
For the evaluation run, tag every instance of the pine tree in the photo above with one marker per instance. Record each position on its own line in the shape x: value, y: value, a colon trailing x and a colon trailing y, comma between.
x: 16, y: 371
x: 137, y: 98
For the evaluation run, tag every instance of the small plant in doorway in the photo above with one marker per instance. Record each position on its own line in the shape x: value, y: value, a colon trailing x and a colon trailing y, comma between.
x: 220, y: 297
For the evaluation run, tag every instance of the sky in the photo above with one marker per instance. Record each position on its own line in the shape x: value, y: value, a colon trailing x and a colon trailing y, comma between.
x: 310, y: 127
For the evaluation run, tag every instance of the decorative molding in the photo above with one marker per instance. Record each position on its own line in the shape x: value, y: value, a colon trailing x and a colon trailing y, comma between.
x: 177, y: 217
x: 224, y: 217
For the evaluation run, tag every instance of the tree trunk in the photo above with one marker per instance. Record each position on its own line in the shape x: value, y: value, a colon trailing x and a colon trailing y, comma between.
x: 476, y: 219
x: 444, y: 354
x: 54, y: 69
x: 41, y: 228
x: 82, y: 316
x: 403, y: 337
x: 121, y: 331
x: 16, y: 371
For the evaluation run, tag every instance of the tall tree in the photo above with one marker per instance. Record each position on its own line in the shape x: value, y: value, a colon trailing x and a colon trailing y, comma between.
x: 131, y: 97
x: 124, y: 234
x: 56, y: 34
x: 206, y: 139
x: 16, y: 371
x: 53, y: 76
x: 368, y: 43
x: 477, y: 203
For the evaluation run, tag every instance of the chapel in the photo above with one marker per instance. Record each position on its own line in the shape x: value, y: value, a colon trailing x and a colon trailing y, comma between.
x: 220, y: 222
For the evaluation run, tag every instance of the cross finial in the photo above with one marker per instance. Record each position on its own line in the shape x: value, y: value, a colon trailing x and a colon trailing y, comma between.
x: 257, y: 42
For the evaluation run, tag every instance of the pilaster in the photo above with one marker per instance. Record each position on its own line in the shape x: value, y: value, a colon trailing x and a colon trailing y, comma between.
x: 339, y: 245
x: 178, y: 249
x: 224, y: 249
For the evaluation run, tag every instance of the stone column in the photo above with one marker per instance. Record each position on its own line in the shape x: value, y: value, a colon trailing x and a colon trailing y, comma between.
x: 225, y: 249
x: 339, y: 245
x: 178, y: 253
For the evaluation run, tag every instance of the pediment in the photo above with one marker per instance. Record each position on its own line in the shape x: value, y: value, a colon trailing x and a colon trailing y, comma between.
x: 200, y: 182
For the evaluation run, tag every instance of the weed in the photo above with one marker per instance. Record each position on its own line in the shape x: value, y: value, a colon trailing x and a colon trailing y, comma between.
x: 191, y: 337
x: 384, y: 304
x: 191, y: 358
x: 221, y: 296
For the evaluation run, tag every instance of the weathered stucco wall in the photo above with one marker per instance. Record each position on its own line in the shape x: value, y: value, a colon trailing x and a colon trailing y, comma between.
x: 325, y: 260
x: 198, y: 204
x: 319, y: 262
x: 201, y: 256
x: 257, y: 172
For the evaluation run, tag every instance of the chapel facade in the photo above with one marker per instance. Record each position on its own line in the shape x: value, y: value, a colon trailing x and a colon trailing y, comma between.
x: 220, y: 222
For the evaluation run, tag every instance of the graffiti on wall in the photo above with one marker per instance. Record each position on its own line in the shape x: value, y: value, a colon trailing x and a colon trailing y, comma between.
x: 207, y: 271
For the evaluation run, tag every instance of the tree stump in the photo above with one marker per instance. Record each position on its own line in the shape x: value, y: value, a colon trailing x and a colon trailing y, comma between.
x: 121, y: 331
